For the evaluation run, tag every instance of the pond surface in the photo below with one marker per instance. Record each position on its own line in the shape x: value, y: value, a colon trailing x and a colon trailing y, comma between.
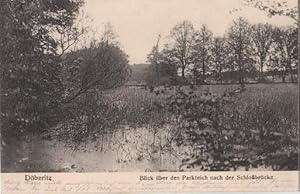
x: 130, y: 150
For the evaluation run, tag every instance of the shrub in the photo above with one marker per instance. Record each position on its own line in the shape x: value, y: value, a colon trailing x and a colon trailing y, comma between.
x: 223, y: 133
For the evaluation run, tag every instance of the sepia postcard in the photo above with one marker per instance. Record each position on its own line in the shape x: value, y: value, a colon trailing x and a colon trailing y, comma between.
x: 126, y: 96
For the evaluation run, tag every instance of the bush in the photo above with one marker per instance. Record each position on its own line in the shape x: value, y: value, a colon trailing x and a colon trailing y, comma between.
x: 222, y: 132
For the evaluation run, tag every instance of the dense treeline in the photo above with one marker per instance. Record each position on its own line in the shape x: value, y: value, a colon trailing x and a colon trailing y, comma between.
x: 246, y: 52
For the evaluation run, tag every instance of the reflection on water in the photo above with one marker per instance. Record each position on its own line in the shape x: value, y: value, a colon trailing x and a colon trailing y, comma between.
x: 140, y: 149
x: 131, y: 150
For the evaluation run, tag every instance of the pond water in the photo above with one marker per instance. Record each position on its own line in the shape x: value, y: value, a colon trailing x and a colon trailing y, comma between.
x: 130, y: 150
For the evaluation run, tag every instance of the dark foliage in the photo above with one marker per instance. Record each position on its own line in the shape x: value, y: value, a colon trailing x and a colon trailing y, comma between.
x: 31, y: 89
x: 44, y: 90
x: 223, y: 136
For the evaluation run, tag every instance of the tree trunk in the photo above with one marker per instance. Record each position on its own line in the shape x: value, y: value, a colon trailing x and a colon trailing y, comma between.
x: 195, y: 76
x: 240, y: 60
x: 240, y: 74
x: 261, y: 69
x: 283, y: 75
x: 219, y: 73
x: 291, y: 71
x: 183, y: 72
x: 204, y: 72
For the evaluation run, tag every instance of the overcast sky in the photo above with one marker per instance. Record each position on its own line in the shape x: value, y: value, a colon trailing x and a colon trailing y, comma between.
x: 138, y: 22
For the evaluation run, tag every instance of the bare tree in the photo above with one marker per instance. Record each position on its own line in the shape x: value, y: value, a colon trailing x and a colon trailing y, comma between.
x: 202, y: 53
x: 108, y: 35
x: 239, y: 43
x: 154, y: 58
x: 262, y: 38
x: 285, y: 55
x: 179, y: 50
x: 281, y: 8
x: 154, y: 55
x: 219, y: 57
x: 69, y: 37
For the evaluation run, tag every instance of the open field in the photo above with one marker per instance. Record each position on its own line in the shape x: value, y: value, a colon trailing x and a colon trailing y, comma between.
x: 143, y: 141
